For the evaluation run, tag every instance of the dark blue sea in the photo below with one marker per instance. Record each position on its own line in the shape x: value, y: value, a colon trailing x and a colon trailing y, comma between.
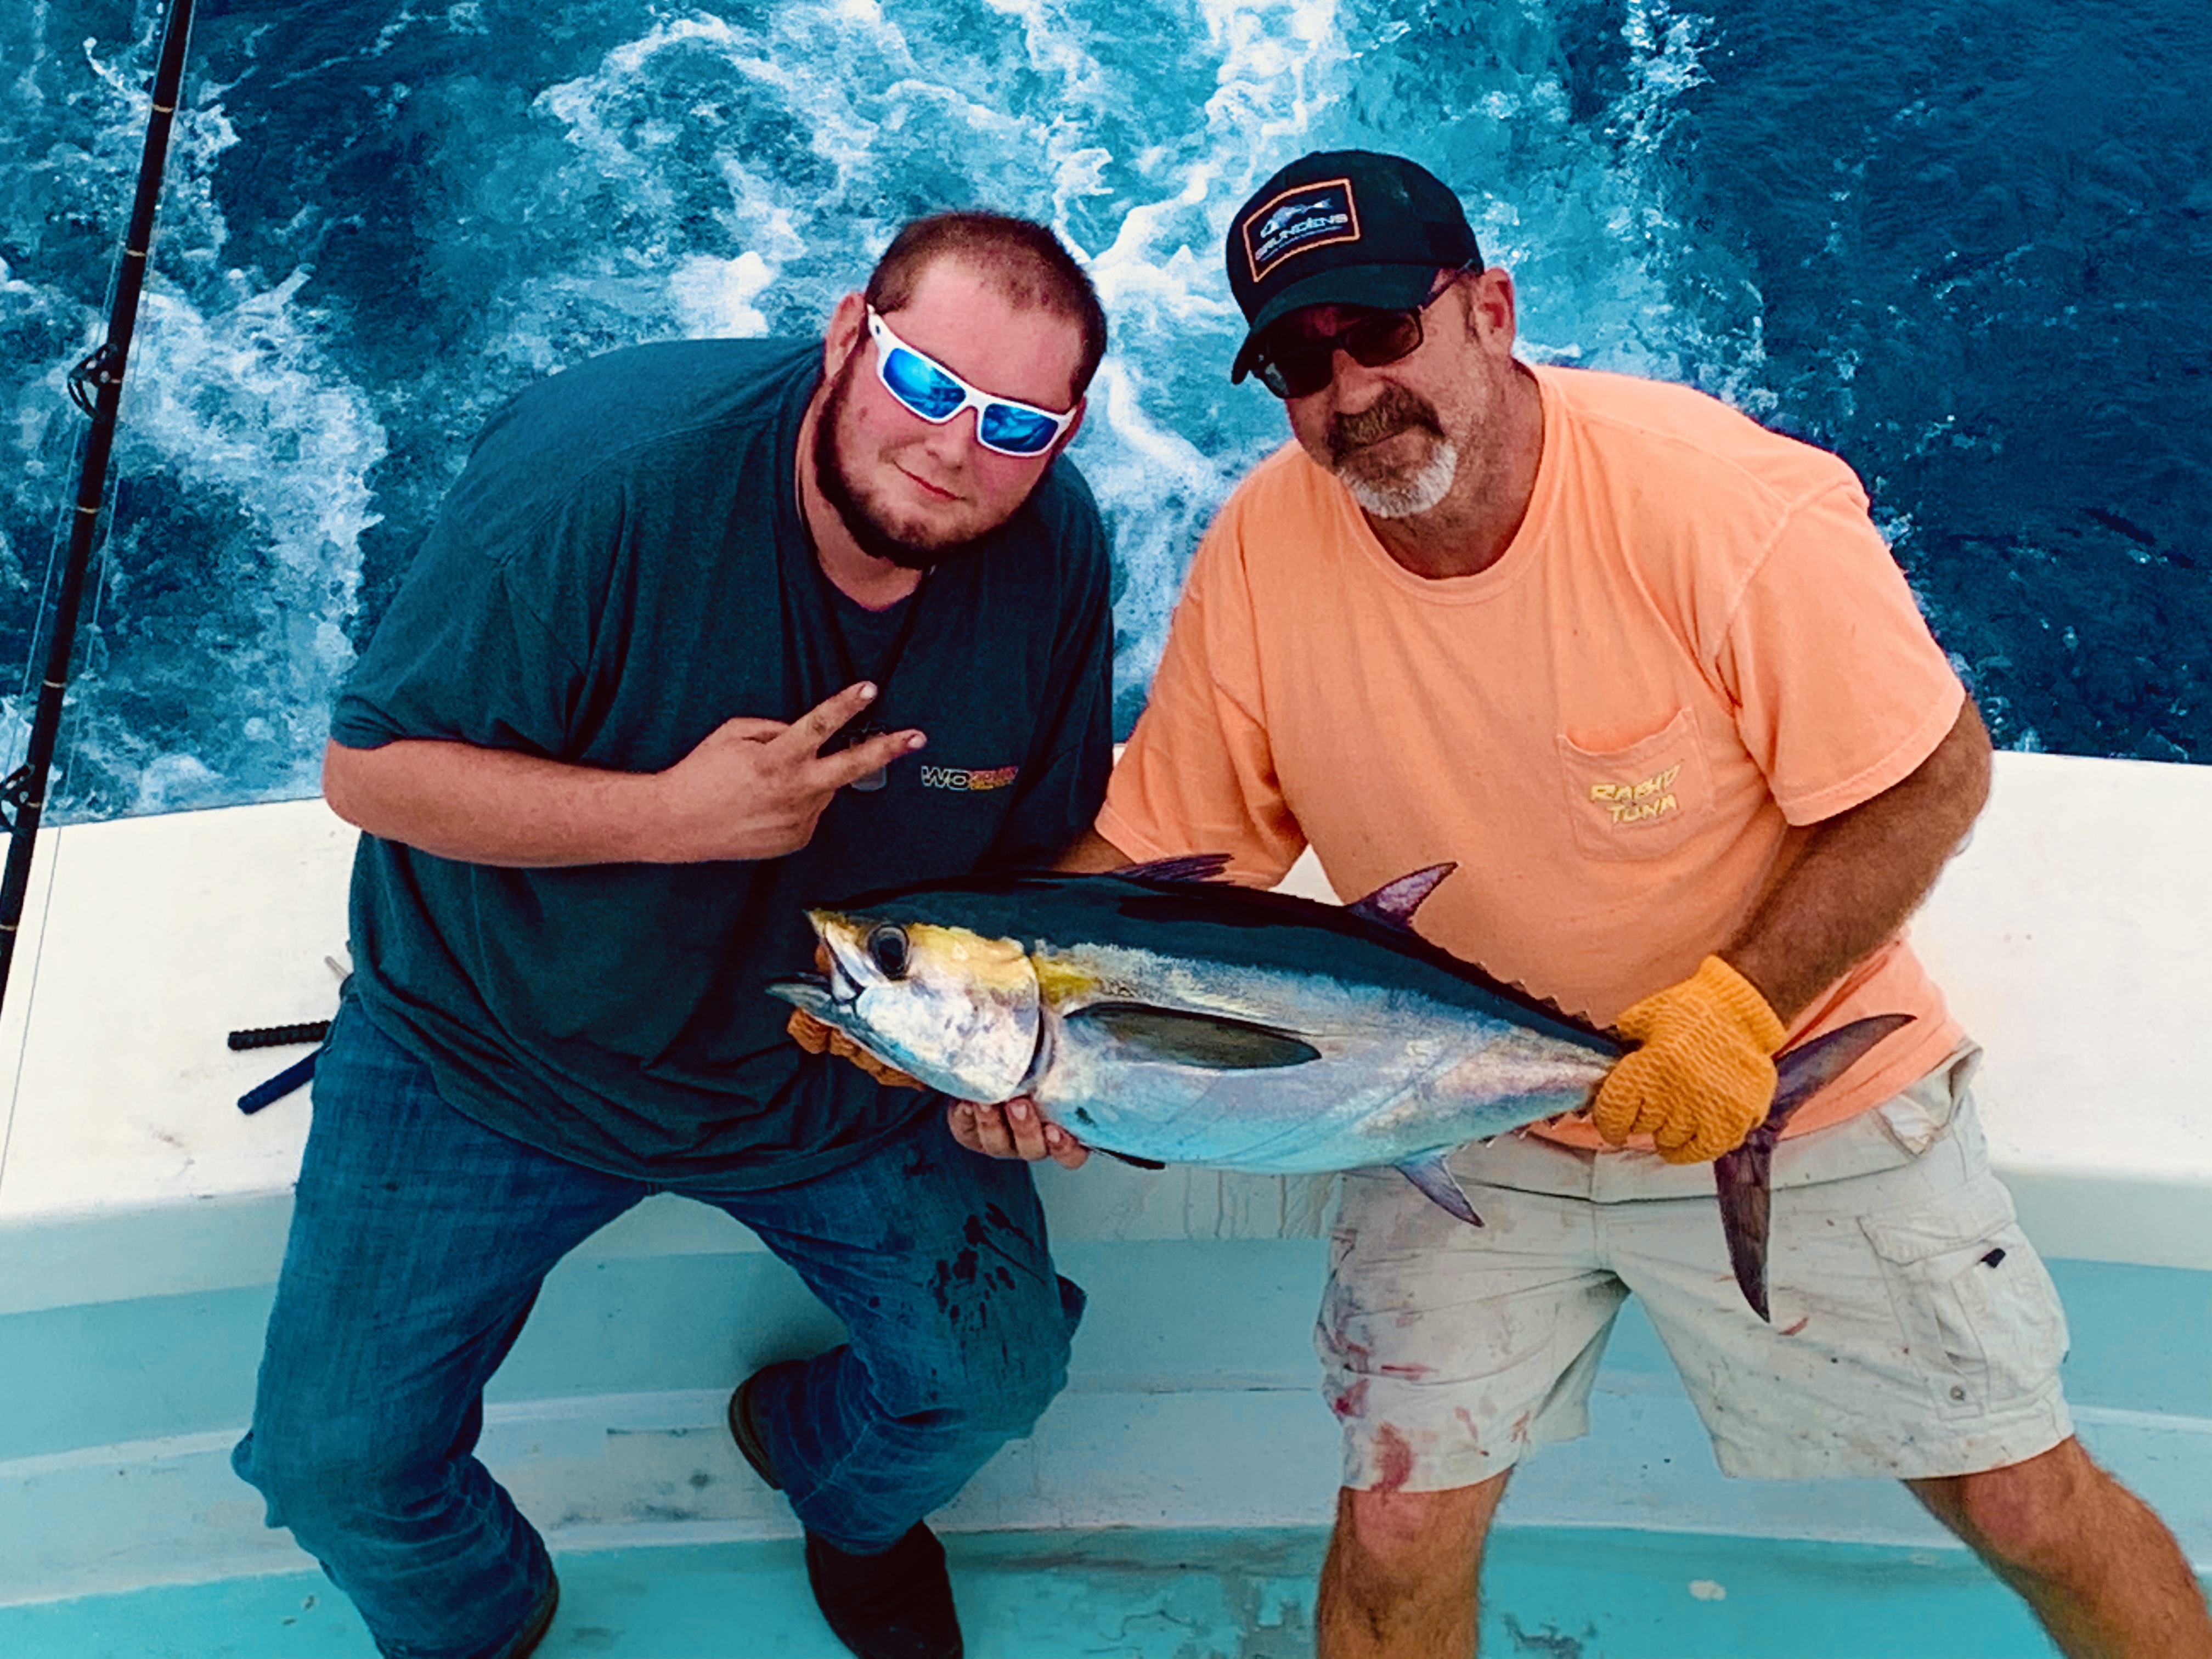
x: 1967, y: 246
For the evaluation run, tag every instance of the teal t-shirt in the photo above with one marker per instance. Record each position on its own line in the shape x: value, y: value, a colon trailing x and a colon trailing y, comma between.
x: 620, y: 569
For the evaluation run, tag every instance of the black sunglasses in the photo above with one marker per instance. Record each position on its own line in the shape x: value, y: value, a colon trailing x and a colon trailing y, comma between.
x: 1300, y: 368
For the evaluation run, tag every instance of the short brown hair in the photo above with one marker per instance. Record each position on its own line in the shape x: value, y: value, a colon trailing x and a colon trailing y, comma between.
x: 1020, y: 258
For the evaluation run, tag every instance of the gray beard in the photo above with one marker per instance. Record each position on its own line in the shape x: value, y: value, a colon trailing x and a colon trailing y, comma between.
x: 1351, y: 436
x: 1406, y: 498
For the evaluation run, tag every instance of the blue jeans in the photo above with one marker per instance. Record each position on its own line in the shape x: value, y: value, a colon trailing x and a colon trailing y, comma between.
x: 419, y: 1240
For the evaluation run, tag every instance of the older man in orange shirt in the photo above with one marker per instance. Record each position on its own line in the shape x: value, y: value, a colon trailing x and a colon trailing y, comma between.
x: 1648, y: 674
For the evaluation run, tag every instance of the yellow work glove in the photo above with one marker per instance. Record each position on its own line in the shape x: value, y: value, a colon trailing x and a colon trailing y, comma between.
x: 1702, y: 1076
x: 811, y: 1034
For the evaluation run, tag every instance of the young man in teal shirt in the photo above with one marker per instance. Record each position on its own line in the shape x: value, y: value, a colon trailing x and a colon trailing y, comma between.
x: 656, y: 682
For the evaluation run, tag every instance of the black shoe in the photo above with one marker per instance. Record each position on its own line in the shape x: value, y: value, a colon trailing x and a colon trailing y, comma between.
x: 897, y: 1604
x: 745, y: 1424
x: 524, y: 1642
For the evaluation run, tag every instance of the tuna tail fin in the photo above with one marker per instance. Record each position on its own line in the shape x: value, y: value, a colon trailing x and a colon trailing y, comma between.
x: 1440, y: 1185
x: 1803, y: 1071
x: 1743, y: 1179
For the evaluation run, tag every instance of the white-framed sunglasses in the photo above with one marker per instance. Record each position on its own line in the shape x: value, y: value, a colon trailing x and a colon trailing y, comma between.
x: 925, y: 388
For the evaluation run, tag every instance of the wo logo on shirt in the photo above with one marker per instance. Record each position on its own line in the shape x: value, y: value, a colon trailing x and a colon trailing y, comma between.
x: 969, y: 780
x: 1635, y: 803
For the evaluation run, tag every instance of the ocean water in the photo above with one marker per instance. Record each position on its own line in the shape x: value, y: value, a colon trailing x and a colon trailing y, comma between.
x: 1966, y: 246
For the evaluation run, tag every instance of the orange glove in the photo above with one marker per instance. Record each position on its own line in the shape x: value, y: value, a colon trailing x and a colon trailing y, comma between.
x: 1703, y: 1075
x: 811, y: 1034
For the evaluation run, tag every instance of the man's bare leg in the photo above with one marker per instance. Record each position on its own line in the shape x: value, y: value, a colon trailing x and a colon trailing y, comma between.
x: 1400, y: 1579
x: 2098, y: 1568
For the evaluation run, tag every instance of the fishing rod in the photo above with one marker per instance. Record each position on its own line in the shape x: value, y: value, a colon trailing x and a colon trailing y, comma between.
x: 96, y: 387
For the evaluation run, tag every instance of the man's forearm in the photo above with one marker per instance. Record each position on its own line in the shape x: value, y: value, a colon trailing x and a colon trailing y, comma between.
x: 1090, y: 853
x: 493, y: 805
x: 1861, y: 873
x: 751, y: 788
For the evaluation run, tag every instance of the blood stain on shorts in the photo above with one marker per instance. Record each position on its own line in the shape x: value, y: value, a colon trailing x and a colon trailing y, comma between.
x: 1394, y: 1459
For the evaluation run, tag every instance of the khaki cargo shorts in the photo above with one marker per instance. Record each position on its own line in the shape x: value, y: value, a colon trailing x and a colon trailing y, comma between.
x: 1915, y: 1332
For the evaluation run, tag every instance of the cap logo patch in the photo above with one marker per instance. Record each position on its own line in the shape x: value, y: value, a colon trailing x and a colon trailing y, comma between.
x: 1298, y: 222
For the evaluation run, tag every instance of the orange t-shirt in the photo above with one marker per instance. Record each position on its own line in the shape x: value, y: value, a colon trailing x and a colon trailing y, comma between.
x: 1696, y: 645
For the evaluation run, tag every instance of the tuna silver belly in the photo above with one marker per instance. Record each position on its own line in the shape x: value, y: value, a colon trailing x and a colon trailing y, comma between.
x: 1403, y: 1082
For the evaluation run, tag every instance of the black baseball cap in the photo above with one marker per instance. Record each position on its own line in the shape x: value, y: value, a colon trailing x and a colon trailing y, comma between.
x: 1342, y: 227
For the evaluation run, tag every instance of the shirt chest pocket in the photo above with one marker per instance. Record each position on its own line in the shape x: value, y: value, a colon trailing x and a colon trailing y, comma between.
x: 1638, y: 802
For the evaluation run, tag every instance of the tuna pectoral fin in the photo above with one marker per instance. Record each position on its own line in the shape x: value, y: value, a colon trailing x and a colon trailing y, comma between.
x: 1181, y: 1038
x: 1441, y: 1185
x: 1743, y: 1179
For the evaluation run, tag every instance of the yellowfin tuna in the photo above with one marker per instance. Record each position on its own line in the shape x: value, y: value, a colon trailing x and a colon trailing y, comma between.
x: 1166, y: 1016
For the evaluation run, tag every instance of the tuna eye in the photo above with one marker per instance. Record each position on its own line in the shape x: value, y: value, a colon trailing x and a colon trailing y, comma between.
x: 887, y: 949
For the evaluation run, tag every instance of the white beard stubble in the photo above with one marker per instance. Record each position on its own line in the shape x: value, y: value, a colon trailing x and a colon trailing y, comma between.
x: 1404, y: 497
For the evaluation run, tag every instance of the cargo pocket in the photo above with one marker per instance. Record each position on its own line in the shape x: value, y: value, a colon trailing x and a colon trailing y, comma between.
x: 1639, y: 802
x: 1979, y: 1312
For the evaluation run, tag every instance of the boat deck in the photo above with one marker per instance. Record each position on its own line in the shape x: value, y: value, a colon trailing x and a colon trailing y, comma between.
x: 1169, y: 1502
x: 1126, y: 1594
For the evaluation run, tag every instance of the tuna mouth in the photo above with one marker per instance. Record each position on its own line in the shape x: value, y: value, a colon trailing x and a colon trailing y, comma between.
x: 831, y: 990
x: 816, y: 994
x: 843, y: 980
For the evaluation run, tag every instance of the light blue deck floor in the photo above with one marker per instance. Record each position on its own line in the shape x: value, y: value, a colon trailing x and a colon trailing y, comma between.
x: 1145, y: 1595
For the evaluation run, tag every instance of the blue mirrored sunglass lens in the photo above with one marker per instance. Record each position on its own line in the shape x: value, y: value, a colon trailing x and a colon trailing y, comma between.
x: 921, y: 386
x: 1024, y: 431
